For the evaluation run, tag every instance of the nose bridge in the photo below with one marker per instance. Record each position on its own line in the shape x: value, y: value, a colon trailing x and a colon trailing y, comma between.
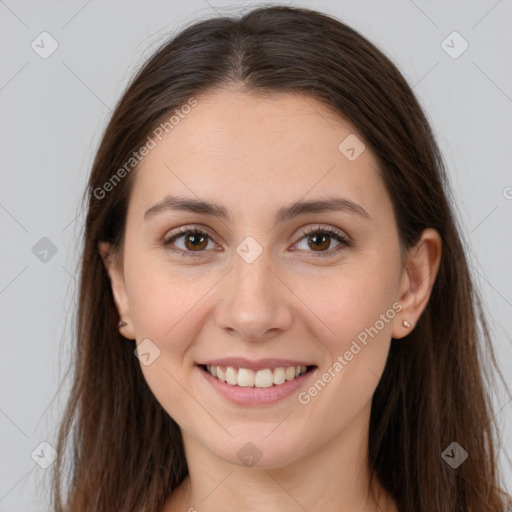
x: 252, y: 278
x: 253, y: 300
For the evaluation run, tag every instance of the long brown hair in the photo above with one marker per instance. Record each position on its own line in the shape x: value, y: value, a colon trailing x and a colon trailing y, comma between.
x: 126, y: 451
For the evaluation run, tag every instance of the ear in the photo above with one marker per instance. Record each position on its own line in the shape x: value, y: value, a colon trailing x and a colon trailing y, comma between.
x: 417, y: 280
x: 113, y: 265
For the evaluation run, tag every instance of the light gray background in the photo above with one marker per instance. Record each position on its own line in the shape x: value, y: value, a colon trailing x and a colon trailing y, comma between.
x: 53, y: 111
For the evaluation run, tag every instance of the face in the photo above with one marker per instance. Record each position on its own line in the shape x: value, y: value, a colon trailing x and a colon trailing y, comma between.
x: 316, y: 288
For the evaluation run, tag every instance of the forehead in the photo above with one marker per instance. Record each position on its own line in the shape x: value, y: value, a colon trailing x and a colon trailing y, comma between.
x: 281, y: 126
x: 263, y: 149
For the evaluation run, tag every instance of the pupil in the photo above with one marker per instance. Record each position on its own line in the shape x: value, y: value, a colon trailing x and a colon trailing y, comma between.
x: 197, y: 239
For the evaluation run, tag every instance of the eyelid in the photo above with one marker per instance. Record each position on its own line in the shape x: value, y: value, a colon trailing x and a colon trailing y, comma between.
x: 323, y: 228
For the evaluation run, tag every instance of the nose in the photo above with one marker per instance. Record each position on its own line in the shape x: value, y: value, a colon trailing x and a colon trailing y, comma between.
x: 255, y: 304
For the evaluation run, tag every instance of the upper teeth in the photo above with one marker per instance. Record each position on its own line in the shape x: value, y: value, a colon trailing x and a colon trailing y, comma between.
x: 264, y: 378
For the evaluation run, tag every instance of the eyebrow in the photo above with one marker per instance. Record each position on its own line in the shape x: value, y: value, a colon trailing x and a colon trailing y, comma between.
x: 173, y: 203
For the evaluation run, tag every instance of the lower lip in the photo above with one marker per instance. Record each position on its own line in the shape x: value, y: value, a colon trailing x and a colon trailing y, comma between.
x: 254, y: 396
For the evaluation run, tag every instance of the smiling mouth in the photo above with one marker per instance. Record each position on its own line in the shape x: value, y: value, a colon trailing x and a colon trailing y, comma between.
x: 264, y: 378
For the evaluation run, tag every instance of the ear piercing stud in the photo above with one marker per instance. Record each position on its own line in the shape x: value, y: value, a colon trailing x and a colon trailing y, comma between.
x: 121, y: 324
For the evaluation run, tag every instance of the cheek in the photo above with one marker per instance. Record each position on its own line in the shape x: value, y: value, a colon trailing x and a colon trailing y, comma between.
x: 359, y: 308
x: 358, y: 302
x: 162, y: 297
x: 167, y: 307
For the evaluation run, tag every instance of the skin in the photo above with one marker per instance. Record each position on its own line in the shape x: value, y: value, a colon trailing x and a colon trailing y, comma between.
x: 254, y: 154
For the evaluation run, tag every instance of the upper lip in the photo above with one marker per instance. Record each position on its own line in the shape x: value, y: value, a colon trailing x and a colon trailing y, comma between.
x: 260, y: 364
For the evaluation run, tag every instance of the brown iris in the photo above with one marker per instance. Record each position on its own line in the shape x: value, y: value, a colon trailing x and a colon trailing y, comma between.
x: 324, y: 243
x: 197, y: 240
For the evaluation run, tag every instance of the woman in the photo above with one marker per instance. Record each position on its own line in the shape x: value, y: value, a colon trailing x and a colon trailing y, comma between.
x: 275, y: 305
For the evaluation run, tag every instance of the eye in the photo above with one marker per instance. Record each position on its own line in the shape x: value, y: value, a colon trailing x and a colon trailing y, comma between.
x: 195, y: 241
x: 319, y: 238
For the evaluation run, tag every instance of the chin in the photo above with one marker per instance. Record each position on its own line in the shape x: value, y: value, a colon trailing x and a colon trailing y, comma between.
x: 260, y: 452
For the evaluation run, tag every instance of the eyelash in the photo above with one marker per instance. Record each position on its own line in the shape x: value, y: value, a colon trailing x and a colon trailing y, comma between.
x: 324, y: 230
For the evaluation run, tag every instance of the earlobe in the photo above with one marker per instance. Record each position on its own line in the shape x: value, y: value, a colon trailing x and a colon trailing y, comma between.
x: 417, y: 280
x: 115, y: 273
